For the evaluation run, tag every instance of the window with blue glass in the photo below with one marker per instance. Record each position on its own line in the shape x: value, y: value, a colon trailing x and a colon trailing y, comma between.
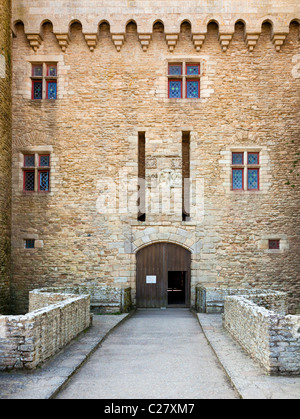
x: 175, y: 89
x: 44, y: 180
x: 36, y: 172
x: 44, y: 160
x: 245, y: 171
x: 29, y: 243
x: 175, y: 69
x: 237, y: 179
x: 253, y: 179
x: 184, y: 80
x: 192, y: 89
x: 44, y: 81
x: 193, y: 69
x: 51, y: 89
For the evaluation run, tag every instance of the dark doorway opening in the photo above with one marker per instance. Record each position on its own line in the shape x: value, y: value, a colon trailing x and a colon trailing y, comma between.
x: 176, y: 287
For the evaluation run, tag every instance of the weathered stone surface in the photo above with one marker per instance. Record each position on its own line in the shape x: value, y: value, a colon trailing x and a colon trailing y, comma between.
x: 5, y: 153
x: 28, y: 340
x: 109, y: 89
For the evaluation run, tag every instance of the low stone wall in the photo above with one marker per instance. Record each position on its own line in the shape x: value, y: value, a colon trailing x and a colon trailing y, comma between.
x: 210, y: 300
x: 104, y: 298
x: 271, y: 337
x: 28, y: 340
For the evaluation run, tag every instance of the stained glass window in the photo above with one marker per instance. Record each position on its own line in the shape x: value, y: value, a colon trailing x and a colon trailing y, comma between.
x: 37, y: 70
x: 44, y: 181
x: 253, y: 158
x: 51, y: 90
x: 44, y: 81
x: 29, y: 243
x: 274, y: 244
x: 192, y: 89
x: 37, y: 89
x: 175, y: 89
x: 192, y: 69
x: 237, y: 158
x: 52, y: 70
x: 29, y: 181
x: 29, y: 160
x: 175, y: 69
x: 253, y: 179
x: 45, y: 161
x: 237, y: 179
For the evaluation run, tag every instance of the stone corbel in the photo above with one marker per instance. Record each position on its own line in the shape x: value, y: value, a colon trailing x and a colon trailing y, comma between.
x: 251, y: 40
x: 225, y: 39
x: 35, y: 41
x: 145, y: 40
x: 63, y: 40
x: 171, y: 40
x: 91, y: 40
x: 278, y: 40
x: 118, y: 40
x: 198, y: 40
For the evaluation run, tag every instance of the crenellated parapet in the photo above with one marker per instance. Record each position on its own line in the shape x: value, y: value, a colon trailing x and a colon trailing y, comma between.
x: 117, y: 14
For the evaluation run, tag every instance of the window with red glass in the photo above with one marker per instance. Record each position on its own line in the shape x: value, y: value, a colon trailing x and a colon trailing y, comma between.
x: 184, y: 80
x: 245, y: 171
x: 274, y: 244
x: 44, y: 81
x: 36, y: 173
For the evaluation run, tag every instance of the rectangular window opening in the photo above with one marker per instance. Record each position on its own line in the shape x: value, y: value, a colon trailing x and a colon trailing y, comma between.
x: 141, y: 176
x: 274, y: 244
x: 186, y: 176
x: 29, y: 243
x: 28, y: 181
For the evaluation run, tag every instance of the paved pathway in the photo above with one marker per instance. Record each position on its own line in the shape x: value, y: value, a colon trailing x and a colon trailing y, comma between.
x: 155, y: 354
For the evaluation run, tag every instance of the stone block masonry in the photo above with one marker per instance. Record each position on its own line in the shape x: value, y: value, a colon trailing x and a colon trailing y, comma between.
x: 112, y: 84
x: 28, y: 340
x: 5, y: 153
x: 103, y: 299
x: 270, y: 337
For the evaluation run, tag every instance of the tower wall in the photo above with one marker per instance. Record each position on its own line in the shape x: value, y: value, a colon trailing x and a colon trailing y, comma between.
x: 5, y: 152
x: 112, y: 86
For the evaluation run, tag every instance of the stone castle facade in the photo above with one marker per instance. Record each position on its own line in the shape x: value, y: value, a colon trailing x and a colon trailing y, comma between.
x: 136, y: 123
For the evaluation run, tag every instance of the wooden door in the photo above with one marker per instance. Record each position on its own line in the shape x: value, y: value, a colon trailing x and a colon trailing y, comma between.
x: 153, y: 264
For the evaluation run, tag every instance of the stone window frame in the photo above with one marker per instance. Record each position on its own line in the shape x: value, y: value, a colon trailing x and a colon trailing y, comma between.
x: 265, y: 168
x: 263, y: 243
x: 19, y: 241
x: 44, y: 78
x: 245, y: 167
x: 207, y: 74
x: 24, y: 77
x: 19, y: 169
x: 184, y: 77
x: 37, y: 169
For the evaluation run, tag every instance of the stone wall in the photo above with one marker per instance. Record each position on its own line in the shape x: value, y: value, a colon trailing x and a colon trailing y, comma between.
x: 5, y: 152
x: 112, y: 84
x: 28, y: 340
x: 211, y: 300
x: 103, y: 299
x: 271, y: 338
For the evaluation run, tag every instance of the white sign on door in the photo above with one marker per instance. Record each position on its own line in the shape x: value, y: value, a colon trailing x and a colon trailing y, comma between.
x: 151, y: 279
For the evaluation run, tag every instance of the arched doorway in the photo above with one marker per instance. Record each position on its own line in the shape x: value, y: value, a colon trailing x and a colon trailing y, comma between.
x: 163, y: 276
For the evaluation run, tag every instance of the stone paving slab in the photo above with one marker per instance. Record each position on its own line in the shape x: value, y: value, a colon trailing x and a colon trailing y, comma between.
x: 246, y: 375
x: 45, y: 382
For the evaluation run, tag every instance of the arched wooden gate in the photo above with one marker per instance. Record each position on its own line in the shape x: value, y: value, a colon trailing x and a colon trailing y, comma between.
x: 163, y: 276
